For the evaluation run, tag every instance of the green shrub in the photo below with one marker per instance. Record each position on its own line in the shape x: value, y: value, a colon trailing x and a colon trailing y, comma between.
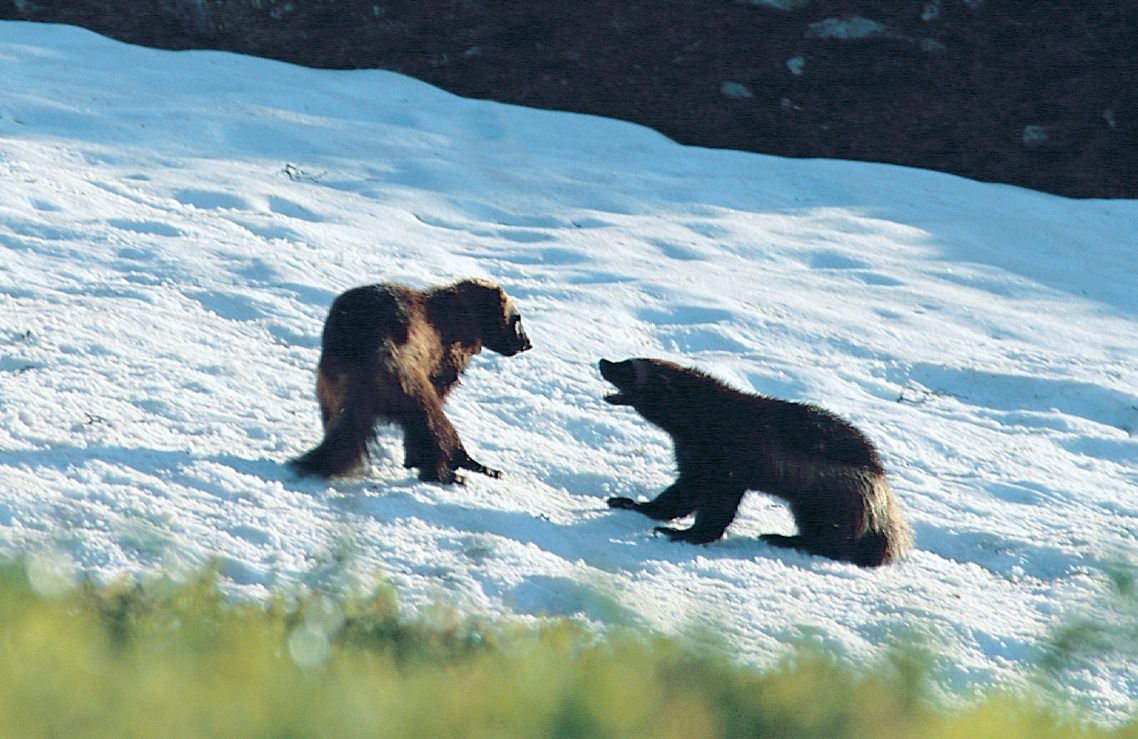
x: 179, y: 660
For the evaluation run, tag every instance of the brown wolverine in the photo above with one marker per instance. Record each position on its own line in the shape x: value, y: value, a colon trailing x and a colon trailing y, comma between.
x: 728, y: 442
x: 391, y: 354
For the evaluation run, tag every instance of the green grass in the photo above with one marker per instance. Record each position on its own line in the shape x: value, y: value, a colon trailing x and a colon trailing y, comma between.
x: 178, y: 660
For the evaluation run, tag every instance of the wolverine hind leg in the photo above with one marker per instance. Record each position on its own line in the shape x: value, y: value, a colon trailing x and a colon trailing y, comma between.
x: 331, y: 390
x: 349, y: 425
x: 835, y: 524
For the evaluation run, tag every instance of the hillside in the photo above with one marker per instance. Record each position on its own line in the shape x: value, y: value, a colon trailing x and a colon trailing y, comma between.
x: 174, y: 226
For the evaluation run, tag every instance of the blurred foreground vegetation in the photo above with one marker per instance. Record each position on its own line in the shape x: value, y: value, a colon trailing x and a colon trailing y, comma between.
x: 176, y: 659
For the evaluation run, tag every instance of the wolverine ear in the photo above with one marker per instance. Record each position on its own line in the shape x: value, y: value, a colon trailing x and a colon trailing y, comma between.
x: 481, y: 300
x: 498, y: 322
x: 641, y: 368
x: 649, y: 372
x: 661, y: 377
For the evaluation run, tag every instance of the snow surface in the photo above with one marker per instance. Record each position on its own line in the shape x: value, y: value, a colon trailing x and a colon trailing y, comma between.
x: 174, y: 226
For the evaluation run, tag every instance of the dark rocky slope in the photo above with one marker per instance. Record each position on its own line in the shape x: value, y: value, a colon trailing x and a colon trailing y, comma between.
x: 1041, y: 94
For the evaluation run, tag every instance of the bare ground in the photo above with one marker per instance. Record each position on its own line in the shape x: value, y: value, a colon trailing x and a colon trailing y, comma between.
x: 1042, y: 95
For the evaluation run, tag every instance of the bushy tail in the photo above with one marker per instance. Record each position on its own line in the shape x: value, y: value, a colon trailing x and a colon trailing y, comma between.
x: 887, y: 537
x: 345, y: 442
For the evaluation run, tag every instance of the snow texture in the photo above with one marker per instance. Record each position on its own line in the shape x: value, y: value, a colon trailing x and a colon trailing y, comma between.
x: 174, y: 226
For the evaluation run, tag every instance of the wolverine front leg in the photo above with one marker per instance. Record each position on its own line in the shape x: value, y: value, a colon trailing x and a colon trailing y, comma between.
x: 715, y: 513
x: 678, y: 500
x: 432, y: 444
x: 435, y: 463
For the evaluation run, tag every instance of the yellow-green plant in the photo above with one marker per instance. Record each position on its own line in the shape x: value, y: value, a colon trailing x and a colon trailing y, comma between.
x: 177, y: 659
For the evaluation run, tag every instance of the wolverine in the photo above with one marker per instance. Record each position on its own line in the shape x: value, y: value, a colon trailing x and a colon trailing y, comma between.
x: 392, y: 354
x: 727, y: 442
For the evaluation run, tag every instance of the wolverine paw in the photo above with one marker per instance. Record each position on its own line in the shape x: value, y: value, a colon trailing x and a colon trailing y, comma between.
x: 443, y: 476
x: 626, y: 503
x: 673, y: 534
x: 786, y: 542
x: 693, y: 535
x: 476, y: 466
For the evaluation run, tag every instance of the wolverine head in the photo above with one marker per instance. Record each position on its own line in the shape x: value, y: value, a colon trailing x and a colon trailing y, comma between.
x: 498, y: 321
x: 638, y: 380
x: 677, y: 399
x: 626, y: 375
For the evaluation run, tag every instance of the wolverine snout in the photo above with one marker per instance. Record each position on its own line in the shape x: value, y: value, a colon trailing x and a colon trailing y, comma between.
x: 519, y: 343
x: 523, y: 341
x: 508, y: 338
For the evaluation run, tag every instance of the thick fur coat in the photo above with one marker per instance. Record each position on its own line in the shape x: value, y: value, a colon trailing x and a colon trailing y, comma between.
x: 392, y: 354
x: 728, y: 442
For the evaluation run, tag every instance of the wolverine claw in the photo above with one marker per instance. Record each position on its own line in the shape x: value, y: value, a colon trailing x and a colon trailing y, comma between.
x: 673, y: 534
x: 475, y: 466
x: 626, y: 503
